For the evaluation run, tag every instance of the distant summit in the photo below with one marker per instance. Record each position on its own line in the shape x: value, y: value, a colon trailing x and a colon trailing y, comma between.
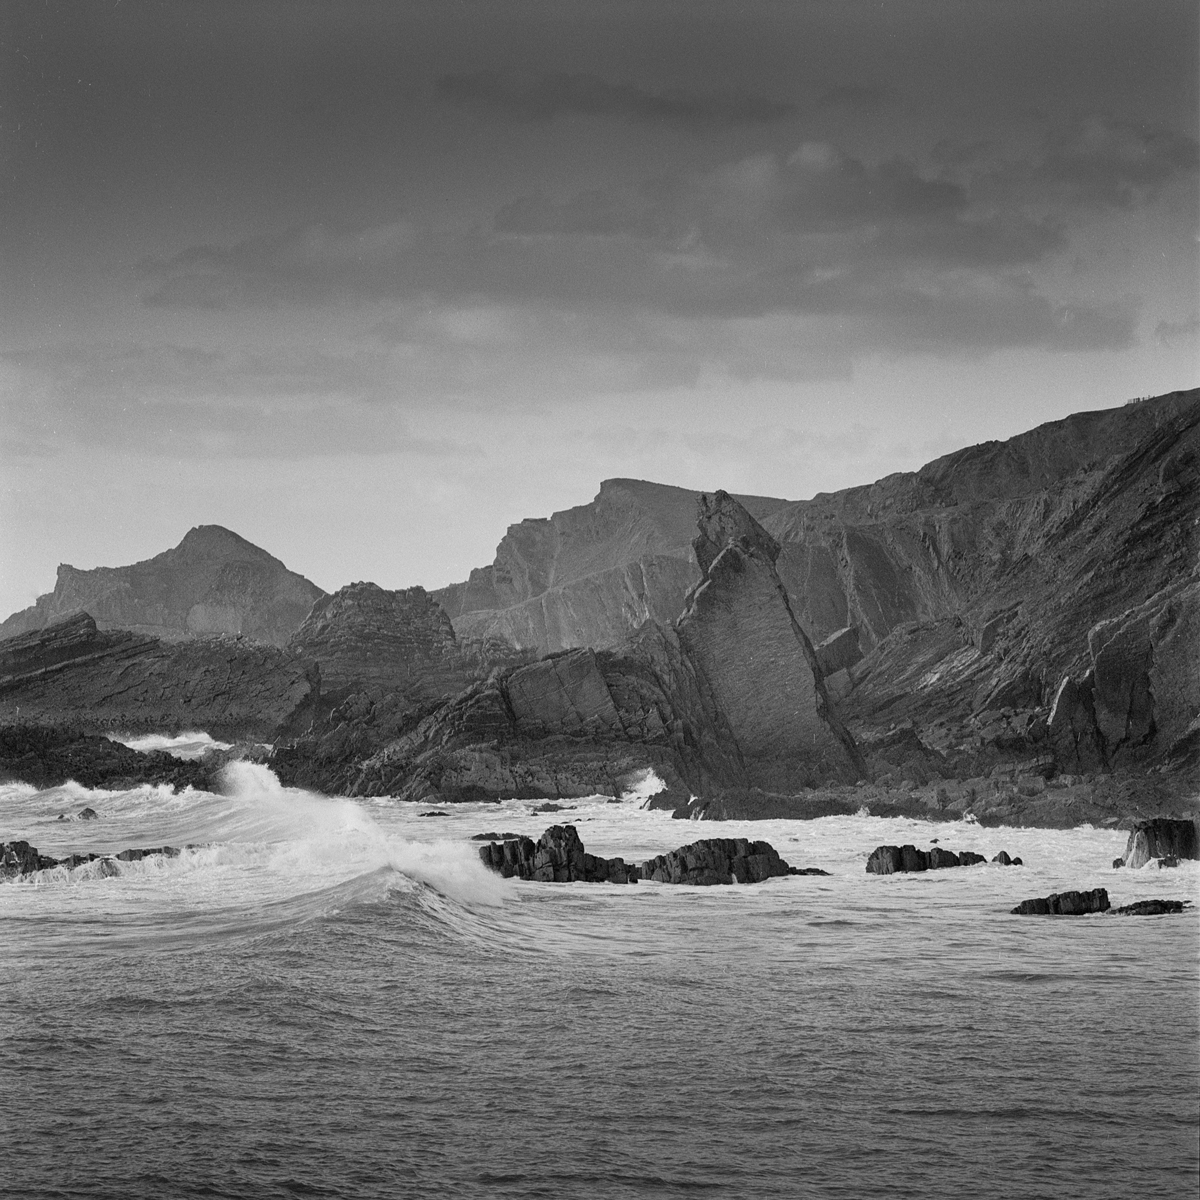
x: 213, y: 582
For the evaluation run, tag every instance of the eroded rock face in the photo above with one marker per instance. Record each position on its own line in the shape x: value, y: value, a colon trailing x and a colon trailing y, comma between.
x: 1065, y: 904
x: 376, y: 641
x: 739, y: 631
x: 590, y: 575
x: 213, y: 582
x: 97, y: 681
x: 1162, y: 837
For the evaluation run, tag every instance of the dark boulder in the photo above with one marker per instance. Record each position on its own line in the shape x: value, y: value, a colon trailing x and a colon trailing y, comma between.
x: 20, y: 858
x: 1005, y: 861
x: 1161, y: 837
x: 1152, y: 908
x: 557, y: 856
x: 1065, y: 904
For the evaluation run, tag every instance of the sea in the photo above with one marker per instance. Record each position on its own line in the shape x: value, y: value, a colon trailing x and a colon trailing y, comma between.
x: 329, y: 997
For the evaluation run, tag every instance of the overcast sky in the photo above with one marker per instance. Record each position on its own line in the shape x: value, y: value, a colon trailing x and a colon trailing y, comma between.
x: 368, y: 282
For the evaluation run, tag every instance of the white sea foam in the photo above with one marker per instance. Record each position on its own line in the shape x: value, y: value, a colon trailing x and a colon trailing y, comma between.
x: 189, y: 745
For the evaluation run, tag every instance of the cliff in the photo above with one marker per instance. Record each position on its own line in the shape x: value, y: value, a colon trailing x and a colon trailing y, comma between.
x: 96, y: 681
x: 918, y: 547
x: 213, y: 582
x: 589, y: 575
x: 739, y: 631
x: 729, y: 701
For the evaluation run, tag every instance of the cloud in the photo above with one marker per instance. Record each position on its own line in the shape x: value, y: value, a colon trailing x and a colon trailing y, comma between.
x: 182, y: 401
x: 853, y: 256
x: 543, y: 97
x: 1171, y: 333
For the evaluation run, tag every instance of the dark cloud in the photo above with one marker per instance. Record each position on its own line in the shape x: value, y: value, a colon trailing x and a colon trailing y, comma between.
x: 545, y: 96
x: 907, y: 259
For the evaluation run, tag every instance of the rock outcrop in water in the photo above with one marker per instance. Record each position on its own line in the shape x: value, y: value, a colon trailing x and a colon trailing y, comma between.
x: 1065, y: 904
x: 20, y: 858
x: 213, y: 582
x: 558, y: 856
x: 892, y: 860
x: 1152, y: 908
x: 720, y: 861
x: 1161, y: 837
x: 99, y: 681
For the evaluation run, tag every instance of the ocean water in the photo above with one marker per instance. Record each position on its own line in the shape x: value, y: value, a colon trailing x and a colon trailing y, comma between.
x: 327, y: 997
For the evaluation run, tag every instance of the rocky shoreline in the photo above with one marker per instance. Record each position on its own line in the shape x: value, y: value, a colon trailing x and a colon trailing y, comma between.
x: 955, y: 643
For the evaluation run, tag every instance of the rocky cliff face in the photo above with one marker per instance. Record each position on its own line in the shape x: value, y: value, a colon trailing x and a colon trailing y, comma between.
x: 95, y: 681
x: 213, y: 582
x: 1074, y: 634
x: 739, y: 632
x: 589, y: 575
x: 728, y: 701
x: 915, y: 548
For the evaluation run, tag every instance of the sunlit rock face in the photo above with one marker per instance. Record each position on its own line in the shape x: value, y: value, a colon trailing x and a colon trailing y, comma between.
x: 213, y: 582
x: 739, y: 631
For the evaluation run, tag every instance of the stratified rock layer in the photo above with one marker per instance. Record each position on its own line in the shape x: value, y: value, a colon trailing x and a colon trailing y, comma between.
x: 587, y: 576
x: 739, y: 632
x: 376, y: 641
x: 72, y: 674
x: 213, y: 582
x: 729, y: 700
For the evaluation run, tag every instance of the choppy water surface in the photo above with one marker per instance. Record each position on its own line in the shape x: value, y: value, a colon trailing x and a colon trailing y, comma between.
x: 333, y: 998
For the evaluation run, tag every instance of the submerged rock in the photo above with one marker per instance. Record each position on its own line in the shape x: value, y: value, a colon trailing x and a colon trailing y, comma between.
x: 1065, y: 904
x: 1152, y: 908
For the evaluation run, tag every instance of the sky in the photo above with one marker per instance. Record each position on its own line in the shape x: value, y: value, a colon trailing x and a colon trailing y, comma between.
x: 369, y: 282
